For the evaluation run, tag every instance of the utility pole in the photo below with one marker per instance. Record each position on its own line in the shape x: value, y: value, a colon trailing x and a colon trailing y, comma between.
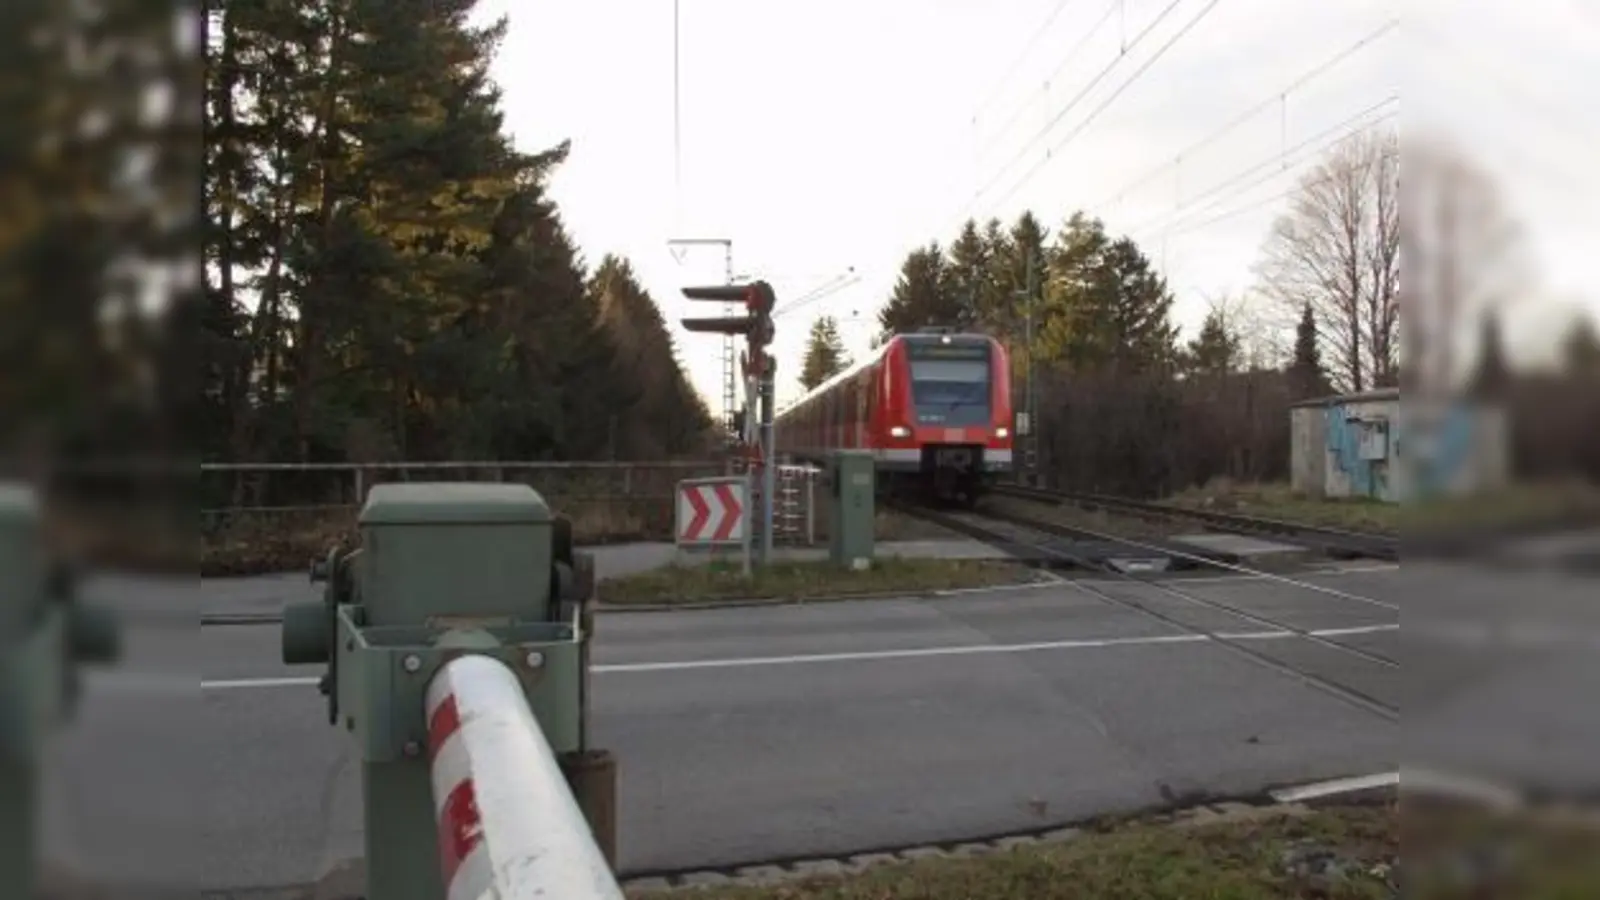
x: 1031, y: 442
x: 756, y: 326
x: 730, y: 349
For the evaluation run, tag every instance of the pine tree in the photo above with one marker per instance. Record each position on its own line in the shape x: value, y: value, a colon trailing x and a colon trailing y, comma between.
x: 1069, y: 323
x: 1306, y: 375
x: 1491, y: 374
x: 1215, y: 350
x: 412, y: 283
x: 1105, y: 306
x: 967, y: 284
x: 825, y: 354
x: 920, y: 297
x: 664, y: 416
x: 1024, y: 277
x: 1581, y: 348
x: 77, y: 344
x: 1136, y: 307
x: 997, y: 289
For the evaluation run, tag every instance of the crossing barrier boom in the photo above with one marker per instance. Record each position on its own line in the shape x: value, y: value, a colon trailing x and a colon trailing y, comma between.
x: 509, y: 827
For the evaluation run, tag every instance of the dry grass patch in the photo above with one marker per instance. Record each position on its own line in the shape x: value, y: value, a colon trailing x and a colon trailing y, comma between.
x: 1524, y: 504
x: 1334, y: 854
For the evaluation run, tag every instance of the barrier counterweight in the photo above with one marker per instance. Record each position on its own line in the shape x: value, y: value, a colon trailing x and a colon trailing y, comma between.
x: 509, y: 827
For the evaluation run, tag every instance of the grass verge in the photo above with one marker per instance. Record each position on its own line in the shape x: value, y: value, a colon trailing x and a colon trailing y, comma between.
x: 1346, y: 853
x: 805, y: 580
x: 1527, y: 504
x: 1073, y: 516
x: 1279, y: 501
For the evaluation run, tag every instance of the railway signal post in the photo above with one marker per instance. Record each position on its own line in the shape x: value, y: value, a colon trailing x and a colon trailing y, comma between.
x: 44, y: 635
x: 756, y: 326
x: 456, y: 645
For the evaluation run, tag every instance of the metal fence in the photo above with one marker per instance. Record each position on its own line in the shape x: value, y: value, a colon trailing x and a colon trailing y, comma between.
x: 231, y: 491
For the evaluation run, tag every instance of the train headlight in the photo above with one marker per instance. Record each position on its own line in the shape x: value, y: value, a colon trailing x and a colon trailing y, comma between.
x: 899, y: 431
x: 1002, y: 431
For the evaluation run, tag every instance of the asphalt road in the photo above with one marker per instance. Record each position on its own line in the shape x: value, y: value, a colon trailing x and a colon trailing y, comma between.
x: 751, y: 734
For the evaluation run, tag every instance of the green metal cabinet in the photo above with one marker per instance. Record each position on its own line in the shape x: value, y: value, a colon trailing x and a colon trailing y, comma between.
x: 851, y: 475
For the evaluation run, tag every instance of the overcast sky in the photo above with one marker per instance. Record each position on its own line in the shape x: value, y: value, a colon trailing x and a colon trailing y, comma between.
x: 830, y: 134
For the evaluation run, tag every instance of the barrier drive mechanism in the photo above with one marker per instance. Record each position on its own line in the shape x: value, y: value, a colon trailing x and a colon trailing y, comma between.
x: 456, y: 644
x: 44, y: 635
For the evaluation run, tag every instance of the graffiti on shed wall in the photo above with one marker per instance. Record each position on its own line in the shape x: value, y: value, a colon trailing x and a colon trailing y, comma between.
x: 1440, y: 450
x: 1446, y: 448
x: 1361, y: 446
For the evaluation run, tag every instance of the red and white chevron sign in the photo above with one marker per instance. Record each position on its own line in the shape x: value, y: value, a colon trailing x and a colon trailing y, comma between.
x: 711, y: 511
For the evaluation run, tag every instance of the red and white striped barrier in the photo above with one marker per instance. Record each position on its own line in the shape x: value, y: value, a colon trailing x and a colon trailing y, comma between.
x: 509, y: 827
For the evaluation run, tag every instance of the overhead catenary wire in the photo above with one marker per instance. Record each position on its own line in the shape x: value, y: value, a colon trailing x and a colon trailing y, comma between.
x: 677, y: 118
x: 1072, y: 104
x: 1275, y: 166
x: 1066, y: 60
x: 1511, y: 82
x: 1106, y: 104
x: 1254, y: 205
x: 1016, y: 63
x: 822, y: 291
x: 1277, y: 97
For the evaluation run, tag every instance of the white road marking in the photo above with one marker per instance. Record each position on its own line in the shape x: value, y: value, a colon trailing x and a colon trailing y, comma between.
x: 227, y: 683
x: 1335, y: 787
x: 998, y: 588
x: 1463, y: 787
x: 970, y: 650
x: 1234, y: 579
x: 869, y: 655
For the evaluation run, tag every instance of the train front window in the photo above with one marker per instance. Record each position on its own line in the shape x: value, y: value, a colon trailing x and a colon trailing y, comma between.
x: 950, y: 391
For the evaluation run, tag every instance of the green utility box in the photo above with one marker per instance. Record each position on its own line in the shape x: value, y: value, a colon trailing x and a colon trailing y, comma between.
x: 850, y: 534
x: 423, y: 543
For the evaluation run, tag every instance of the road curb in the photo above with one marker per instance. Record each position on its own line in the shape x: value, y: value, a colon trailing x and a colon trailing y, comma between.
x: 1220, y: 812
x: 222, y: 619
x: 741, y: 603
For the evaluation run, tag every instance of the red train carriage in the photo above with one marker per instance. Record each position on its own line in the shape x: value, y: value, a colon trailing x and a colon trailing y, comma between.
x: 934, y: 408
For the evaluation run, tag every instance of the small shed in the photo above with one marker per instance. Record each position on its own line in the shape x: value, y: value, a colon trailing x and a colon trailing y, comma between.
x: 1351, y: 445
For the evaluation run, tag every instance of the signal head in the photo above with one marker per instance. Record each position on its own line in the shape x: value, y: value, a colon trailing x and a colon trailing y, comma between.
x: 727, y: 293
x: 759, y: 298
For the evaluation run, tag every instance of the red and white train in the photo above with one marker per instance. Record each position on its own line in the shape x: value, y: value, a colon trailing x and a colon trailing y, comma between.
x: 934, y: 407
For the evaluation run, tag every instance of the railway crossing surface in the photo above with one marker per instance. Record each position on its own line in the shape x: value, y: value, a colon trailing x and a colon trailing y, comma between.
x: 748, y: 735
x: 752, y: 735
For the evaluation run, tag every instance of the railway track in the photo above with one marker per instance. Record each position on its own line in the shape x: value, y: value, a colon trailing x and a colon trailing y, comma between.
x: 1046, y: 540
x: 1334, y: 542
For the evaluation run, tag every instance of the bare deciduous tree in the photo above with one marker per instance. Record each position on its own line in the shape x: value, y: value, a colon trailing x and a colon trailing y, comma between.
x: 1462, y: 252
x: 1338, y: 250
x: 1265, y: 337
